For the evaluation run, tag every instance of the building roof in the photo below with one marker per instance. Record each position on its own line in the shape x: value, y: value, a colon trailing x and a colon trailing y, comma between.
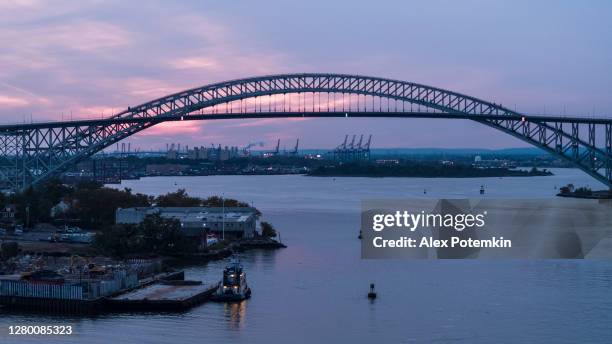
x: 196, y: 209
x: 198, y: 214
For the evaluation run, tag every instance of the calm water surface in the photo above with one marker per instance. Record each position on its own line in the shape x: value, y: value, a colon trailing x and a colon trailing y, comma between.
x: 314, y: 291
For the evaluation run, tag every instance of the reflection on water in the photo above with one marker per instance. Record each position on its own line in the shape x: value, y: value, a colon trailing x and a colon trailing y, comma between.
x: 235, y: 313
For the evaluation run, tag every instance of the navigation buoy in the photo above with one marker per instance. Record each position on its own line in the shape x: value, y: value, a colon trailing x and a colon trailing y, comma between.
x: 360, y: 236
x: 482, y: 190
x: 372, y: 293
x: 424, y: 191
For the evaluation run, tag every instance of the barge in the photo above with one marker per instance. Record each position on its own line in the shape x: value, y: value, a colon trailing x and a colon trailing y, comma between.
x: 47, y: 291
x: 163, y: 296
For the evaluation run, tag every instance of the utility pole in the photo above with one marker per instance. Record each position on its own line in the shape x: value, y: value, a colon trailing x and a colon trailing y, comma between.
x: 27, y: 209
x: 223, y: 216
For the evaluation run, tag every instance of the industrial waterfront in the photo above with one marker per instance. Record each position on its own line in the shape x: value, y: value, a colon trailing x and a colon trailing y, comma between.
x: 461, y: 301
x: 305, y: 172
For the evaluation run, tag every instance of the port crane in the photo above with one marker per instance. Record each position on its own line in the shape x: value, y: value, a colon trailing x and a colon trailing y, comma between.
x: 355, y: 150
x: 295, y: 149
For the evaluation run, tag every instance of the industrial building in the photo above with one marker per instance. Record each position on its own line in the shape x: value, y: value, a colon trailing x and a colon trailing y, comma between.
x: 202, y: 153
x: 233, y: 222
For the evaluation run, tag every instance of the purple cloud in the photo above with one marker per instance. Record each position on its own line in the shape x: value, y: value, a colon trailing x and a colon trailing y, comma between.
x: 90, y: 59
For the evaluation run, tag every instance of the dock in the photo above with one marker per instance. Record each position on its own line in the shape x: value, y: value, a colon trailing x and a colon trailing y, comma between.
x: 163, y: 296
x: 163, y: 291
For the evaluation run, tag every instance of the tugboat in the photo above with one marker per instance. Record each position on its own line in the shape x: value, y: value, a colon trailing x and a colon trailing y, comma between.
x: 233, y: 287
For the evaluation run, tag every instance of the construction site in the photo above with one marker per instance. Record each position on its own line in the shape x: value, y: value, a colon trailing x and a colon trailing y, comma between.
x: 74, y: 284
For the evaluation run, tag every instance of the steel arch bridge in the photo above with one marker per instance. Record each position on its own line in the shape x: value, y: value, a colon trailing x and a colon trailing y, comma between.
x: 30, y: 153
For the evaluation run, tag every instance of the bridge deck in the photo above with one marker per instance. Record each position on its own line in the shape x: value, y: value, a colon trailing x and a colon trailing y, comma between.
x: 293, y: 114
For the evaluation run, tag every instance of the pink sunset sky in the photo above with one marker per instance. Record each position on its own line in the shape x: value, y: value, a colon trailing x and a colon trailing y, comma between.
x: 89, y: 59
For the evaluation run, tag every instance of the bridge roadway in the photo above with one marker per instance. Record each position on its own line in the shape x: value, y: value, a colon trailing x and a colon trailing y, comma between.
x: 31, y: 153
x: 305, y: 114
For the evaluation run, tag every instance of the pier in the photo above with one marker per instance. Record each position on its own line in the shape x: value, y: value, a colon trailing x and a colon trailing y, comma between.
x: 163, y: 296
x: 166, y: 291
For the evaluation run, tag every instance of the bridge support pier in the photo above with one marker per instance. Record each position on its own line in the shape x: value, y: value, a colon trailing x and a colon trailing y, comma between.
x: 609, y: 152
x: 11, y: 161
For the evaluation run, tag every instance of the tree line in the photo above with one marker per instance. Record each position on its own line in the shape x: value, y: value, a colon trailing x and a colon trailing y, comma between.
x: 92, y: 206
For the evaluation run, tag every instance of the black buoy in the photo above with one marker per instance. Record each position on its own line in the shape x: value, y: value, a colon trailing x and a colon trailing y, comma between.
x: 372, y: 293
x: 482, y: 190
x: 359, y: 234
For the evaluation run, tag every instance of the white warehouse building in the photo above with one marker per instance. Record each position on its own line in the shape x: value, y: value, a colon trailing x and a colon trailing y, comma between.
x: 236, y: 222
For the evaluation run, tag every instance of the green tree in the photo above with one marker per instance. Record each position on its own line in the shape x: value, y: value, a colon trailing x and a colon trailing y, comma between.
x: 118, y: 240
x: 583, y: 191
x: 267, y: 230
x: 95, y: 207
x: 154, y: 236
x: 180, y: 198
x: 34, y: 204
x: 216, y: 201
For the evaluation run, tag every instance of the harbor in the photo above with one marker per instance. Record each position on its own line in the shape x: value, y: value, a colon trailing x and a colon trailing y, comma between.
x: 128, y: 262
x: 133, y: 285
x: 305, y: 172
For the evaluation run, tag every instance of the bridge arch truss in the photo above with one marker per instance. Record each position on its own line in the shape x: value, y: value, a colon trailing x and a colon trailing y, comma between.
x: 30, y: 153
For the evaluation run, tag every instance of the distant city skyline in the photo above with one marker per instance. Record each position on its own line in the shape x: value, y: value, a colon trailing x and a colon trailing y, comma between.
x: 88, y: 59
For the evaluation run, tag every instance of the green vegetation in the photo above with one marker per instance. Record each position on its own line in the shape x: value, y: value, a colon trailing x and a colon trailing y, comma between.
x: 155, y: 235
x: 91, y: 205
x: 180, y: 198
x: 421, y: 169
x: 267, y: 230
x: 94, y: 206
x: 583, y: 191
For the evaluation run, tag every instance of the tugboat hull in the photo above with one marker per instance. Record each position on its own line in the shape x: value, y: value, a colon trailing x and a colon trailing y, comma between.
x: 231, y: 297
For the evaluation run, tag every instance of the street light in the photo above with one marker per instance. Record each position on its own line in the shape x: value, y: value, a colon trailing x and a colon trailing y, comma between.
x: 223, y: 216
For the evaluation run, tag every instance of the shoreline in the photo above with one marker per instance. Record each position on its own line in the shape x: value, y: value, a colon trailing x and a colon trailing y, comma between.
x: 424, y: 177
x: 84, y: 250
x: 603, y: 195
x: 238, y: 246
x: 171, y: 278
